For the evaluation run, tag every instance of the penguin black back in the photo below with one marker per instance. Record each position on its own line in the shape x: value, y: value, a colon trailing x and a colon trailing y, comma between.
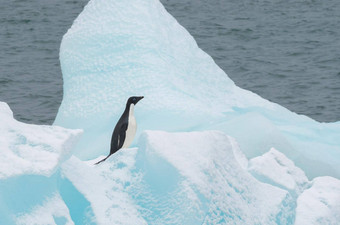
x: 125, y: 128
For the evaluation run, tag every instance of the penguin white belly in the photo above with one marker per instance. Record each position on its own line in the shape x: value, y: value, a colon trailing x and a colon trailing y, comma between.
x: 131, y: 129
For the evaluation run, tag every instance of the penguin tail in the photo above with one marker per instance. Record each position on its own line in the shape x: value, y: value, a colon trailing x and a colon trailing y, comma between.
x: 102, y: 160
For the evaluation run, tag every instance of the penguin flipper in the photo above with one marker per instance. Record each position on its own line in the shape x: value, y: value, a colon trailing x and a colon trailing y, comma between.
x: 121, y: 140
x: 117, y: 141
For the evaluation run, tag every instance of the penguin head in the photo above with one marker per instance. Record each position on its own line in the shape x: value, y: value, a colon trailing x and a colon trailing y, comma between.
x: 134, y: 100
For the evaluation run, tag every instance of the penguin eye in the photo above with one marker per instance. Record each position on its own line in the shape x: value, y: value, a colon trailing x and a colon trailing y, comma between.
x: 134, y: 99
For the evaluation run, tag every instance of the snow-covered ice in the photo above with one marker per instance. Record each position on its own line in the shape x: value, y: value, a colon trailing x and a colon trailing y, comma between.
x: 52, y: 211
x: 275, y: 168
x: 30, y: 157
x: 178, y: 178
x: 31, y: 149
x: 320, y: 204
x: 196, y: 179
x: 106, y: 188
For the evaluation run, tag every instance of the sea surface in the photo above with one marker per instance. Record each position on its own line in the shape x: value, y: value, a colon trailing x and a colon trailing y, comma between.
x: 287, y: 51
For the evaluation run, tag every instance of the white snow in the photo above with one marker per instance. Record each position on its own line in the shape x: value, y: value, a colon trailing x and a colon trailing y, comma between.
x: 178, y: 178
x: 106, y: 187
x: 204, y: 183
x: 32, y: 149
x: 52, y: 212
x: 275, y: 168
x: 30, y: 156
x: 319, y: 204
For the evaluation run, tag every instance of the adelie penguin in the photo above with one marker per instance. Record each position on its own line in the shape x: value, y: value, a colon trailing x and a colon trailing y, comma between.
x: 125, y: 129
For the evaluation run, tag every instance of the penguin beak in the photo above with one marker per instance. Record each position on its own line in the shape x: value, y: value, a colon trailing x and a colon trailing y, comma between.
x: 139, y: 98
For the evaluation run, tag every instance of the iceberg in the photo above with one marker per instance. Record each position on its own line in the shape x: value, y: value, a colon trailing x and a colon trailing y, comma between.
x: 117, y: 49
x: 206, y: 151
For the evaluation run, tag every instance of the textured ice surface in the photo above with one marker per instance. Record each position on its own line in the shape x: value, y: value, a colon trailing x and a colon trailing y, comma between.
x: 194, y: 178
x: 106, y: 188
x: 116, y: 49
x: 275, y: 168
x: 170, y: 178
x: 31, y: 149
x: 319, y: 204
x: 30, y: 156
x: 52, y: 211
x: 178, y: 178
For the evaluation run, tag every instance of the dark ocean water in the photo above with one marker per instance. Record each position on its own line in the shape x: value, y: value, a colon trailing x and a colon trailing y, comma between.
x: 30, y: 36
x: 286, y: 51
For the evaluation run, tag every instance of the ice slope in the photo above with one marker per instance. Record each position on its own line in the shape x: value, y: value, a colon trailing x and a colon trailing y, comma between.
x: 200, y: 178
x: 116, y: 49
x: 206, y: 185
x: 105, y: 188
x: 178, y: 178
x: 31, y: 149
x: 170, y: 178
x: 52, y: 211
x: 30, y: 156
